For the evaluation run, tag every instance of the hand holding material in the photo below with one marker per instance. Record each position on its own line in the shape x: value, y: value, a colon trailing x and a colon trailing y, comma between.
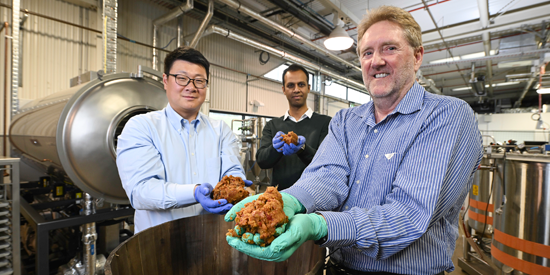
x: 289, y: 149
x: 278, y: 141
x: 202, y: 195
x: 301, y: 228
x: 291, y: 206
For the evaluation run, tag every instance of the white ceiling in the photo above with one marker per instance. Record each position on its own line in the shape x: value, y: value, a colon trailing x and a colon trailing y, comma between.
x: 461, y: 28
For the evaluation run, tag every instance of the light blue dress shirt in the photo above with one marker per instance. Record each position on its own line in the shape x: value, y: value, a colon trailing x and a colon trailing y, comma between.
x: 162, y: 156
x: 391, y: 191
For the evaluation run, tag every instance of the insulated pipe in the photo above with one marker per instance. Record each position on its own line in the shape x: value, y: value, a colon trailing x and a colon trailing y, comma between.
x: 163, y: 19
x: 282, y: 54
x: 290, y: 33
x: 203, y: 25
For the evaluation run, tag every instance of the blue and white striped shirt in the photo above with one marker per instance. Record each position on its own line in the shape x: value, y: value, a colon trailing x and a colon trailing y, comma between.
x: 391, y: 192
x: 162, y: 156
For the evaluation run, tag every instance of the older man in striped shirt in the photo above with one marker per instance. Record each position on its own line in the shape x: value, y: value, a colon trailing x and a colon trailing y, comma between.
x: 386, y: 186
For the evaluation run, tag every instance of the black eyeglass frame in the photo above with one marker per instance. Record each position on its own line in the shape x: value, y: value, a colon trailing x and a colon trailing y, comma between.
x: 193, y: 79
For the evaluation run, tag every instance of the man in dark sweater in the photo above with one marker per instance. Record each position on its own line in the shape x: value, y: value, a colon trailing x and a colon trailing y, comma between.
x: 289, y: 161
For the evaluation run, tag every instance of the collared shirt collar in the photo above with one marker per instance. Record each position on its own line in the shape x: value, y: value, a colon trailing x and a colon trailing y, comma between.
x: 410, y: 103
x: 177, y: 121
x: 307, y: 114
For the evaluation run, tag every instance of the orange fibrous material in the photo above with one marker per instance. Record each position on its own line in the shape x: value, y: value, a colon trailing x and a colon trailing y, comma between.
x: 230, y: 188
x: 291, y: 137
x: 262, y: 216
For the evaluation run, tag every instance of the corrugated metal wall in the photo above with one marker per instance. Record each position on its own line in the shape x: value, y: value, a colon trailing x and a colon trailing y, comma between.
x: 54, y: 52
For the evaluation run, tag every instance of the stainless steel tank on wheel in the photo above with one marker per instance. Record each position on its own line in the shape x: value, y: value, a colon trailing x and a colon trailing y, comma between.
x: 76, y: 130
x: 521, y: 240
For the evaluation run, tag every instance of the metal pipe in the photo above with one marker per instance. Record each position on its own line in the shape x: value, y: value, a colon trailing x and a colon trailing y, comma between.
x: 282, y: 54
x: 525, y: 90
x: 5, y: 133
x: 290, y: 33
x: 178, y: 38
x: 15, y: 56
x: 163, y: 19
x: 483, y: 7
x: 203, y: 25
x: 89, y: 236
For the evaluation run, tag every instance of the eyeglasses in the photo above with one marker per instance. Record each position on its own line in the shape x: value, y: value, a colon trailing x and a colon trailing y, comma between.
x: 183, y: 80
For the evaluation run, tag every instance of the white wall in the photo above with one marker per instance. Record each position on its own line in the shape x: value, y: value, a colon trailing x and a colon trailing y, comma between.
x: 518, y: 126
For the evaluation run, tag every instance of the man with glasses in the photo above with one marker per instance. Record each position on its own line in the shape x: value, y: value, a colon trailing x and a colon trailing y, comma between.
x: 289, y: 160
x: 168, y: 160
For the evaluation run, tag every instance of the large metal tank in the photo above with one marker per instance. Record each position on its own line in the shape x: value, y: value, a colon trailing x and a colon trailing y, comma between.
x: 481, y: 201
x: 197, y: 245
x: 521, y: 239
x: 76, y: 130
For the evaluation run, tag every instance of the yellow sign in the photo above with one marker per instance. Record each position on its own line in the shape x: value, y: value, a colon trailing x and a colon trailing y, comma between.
x: 59, y: 190
x: 475, y: 190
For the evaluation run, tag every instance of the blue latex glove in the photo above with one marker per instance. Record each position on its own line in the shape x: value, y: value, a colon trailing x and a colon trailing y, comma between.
x: 247, y: 182
x: 202, y: 195
x: 289, y: 149
x: 291, y: 206
x: 278, y: 141
x: 301, y: 228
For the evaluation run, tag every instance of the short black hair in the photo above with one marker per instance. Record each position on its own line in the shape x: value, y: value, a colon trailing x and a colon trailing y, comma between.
x: 295, y: 68
x: 186, y: 54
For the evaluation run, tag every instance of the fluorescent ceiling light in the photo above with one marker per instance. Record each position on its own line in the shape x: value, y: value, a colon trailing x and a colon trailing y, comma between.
x: 445, y: 60
x: 461, y: 89
x: 338, y: 40
x: 506, y: 83
x: 543, y: 90
x: 487, y: 86
x: 512, y: 64
x: 473, y: 55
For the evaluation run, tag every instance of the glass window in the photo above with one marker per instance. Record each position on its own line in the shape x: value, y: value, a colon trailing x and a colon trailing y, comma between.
x: 227, y: 118
x: 358, y: 97
x: 276, y: 73
x: 336, y: 90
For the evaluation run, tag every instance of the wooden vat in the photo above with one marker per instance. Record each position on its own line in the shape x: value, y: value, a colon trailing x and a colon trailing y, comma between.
x: 197, y: 245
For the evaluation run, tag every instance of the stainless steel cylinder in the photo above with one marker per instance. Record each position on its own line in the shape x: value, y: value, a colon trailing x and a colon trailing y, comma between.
x: 521, y: 239
x: 76, y: 130
x: 481, y: 200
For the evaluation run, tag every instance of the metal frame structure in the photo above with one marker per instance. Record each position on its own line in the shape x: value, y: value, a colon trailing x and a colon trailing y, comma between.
x: 43, y: 227
x: 12, y: 203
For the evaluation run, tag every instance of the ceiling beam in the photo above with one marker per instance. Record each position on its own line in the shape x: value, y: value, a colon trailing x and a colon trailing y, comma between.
x: 507, y: 21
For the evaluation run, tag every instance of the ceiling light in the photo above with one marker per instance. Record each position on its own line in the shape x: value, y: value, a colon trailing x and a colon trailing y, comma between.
x: 543, y: 90
x: 506, y: 83
x: 512, y: 64
x: 473, y: 55
x: 444, y: 60
x: 461, y: 89
x: 338, y: 40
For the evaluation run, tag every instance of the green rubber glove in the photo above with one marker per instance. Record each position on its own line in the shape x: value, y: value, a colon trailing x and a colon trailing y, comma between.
x: 301, y: 228
x: 291, y: 206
